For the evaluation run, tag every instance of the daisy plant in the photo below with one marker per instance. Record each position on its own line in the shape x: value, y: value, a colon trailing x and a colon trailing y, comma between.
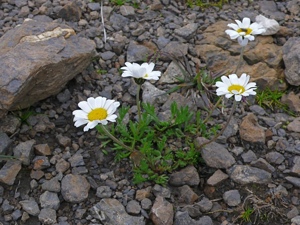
x: 140, y: 73
x: 97, y: 111
x: 148, y: 142
x: 244, y: 31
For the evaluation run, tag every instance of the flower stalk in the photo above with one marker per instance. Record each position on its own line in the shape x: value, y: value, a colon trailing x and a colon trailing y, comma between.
x: 116, y: 140
x: 224, y: 127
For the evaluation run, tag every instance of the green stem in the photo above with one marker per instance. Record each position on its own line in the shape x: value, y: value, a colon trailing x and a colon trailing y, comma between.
x: 138, y: 102
x: 240, y: 59
x: 223, y: 129
x: 112, y: 137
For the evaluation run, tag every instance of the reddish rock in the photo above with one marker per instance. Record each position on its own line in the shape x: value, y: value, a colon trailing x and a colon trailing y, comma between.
x: 262, y: 58
x: 39, y: 59
x: 162, y: 212
x: 251, y: 131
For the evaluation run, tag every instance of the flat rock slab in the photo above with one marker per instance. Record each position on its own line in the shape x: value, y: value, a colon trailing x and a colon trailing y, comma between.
x: 247, y: 174
x: 111, y: 211
x: 215, y: 155
x: 37, y: 60
x: 9, y: 171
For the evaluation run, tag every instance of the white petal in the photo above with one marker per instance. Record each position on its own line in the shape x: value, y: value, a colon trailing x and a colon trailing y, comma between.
x: 238, y: 98
x: 80, y: 122
x: 246, y: 23
x: 100, y: 102
x: 233, y: 79
x: 104, y: 122
x: 243, y: 42
x: 233, y: 34
x: 233, y: 26
x: 228, y: 95
x: 221, y: 84
x: 112, y: 118
x: 112, y: 108
x: 250, y: 85
x: 84, y: 106
x: 239, y: 23
x: 91, y: 102
x: 149, y: 67
x: 226, y: 80
x: 250, y: 37
x: 80, y: 114
x: 90, y: 125
x: 127, y: 74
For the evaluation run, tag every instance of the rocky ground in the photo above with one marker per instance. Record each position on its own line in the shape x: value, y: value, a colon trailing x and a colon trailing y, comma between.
x: 65, y: 179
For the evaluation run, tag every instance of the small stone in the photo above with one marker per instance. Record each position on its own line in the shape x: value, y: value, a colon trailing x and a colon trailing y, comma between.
x: 114, y: 212
x: 133, y: 207
x: 294, y: 180
x: 76, y: 160
x: 292, y: 100
x: 36, y: 174
x: 49, y: 200
x: 214, y: 154
x: 271, y: 26
x: 244, y: 174
x: 16, y: 214
x: 6, y: 207
x: 104, y: 192
x: 161, y: 191
x: 232, y: 197
x: 4, y: 143
x: 162, y: 212
x: 204, y: 205
x: 9, y: 171
x: 42, y: 149
x: 263, y: 164
x: 186, y: 31
x: 40, y: 163
x: 187, y: 195
x: 63, y: 141
x: 295, y: 220
x: 47, y: 216
x: 62, y: 165
x: 146, y: 203
x: 251, y: 131
x: 31, y: 207
x: 188, y: 176
x: 52, y: 185
x: 249, y: 156
x: 74, y: 188
x: 274, y: 158
x: 143, y: 193
x: 94, y: 6
x: 292, y: 213
x: 217, y: 178
x: 127, y: 10
x: 294, y: 126
x: 70, y: 12
x: 24, y: 152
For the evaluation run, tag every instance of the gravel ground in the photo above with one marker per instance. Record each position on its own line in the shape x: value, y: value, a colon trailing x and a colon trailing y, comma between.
x: 68, y: 180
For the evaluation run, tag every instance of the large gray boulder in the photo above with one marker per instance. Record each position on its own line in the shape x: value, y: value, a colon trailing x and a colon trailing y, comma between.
x: 37, y: 60
x: 291, y: 58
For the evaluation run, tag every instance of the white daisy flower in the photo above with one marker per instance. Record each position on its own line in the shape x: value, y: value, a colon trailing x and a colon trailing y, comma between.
x: 95, y: 111
x: 244, y: 31
x: 144, y: 71
x: 232, y: 85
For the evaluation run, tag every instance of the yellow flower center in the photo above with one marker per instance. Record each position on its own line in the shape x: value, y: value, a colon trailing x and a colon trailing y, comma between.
x: 236, y: 87
x: 97, y: 114
x: 245, y: 30
x: 146, y: 75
